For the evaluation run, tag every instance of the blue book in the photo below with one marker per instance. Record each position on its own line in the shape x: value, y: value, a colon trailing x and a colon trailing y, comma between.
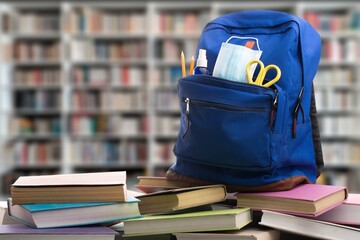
x: 54, y: 215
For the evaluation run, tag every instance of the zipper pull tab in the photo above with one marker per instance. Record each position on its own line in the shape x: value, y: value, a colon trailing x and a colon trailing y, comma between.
x: 187, y: 100
x: 187, y: 112
x: 275, y: 103
x: 274, y: 109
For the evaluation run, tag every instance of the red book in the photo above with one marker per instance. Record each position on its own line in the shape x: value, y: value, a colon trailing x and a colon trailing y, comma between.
x: 144, y: 125
x: 334, y: 24
x: 304, y: 199
x: 76, y: 76
x: 75, y: 121
x: 142, y: 152
x: 162, y: 22
x: 125, y: 76
x: 38, y: 80
x: 42, y: 154
x: 191, y: 22
x: 24, y: 154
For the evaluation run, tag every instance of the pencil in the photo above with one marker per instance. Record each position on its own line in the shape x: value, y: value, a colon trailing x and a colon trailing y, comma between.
x: 183, y: 64
x: 191, y: 69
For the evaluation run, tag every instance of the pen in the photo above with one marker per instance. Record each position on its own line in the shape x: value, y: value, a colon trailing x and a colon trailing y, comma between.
x: 191, y: 69
x: 183, y: 64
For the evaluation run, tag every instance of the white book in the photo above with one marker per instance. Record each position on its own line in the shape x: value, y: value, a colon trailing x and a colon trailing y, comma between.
x: 242, y: 234
x: 308, y: 227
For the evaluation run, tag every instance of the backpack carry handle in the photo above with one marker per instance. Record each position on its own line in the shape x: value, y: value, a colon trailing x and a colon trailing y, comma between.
x: 252, y: 38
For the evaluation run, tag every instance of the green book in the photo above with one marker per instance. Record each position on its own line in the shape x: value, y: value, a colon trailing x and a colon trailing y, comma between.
x: 215, y: 220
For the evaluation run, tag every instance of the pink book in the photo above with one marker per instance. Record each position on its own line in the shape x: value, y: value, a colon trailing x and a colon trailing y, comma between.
x: 347, y: 213
x: 304, y: 199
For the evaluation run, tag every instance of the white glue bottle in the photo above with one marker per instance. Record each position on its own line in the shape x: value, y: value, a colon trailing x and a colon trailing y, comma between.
x: 201, y: 63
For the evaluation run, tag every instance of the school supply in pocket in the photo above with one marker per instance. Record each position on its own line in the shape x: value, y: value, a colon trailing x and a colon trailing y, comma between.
x: 232, y: 59
x: 183, y: 70
x: 191, y: 67
x: 245, y: 136
x: 201, y: 63
x: 262, y: 74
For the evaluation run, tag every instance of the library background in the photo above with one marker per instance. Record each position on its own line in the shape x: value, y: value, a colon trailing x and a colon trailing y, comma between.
x: 88, y: 86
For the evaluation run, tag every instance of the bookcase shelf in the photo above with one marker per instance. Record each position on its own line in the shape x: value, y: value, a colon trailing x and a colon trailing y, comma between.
x: 102, y: 137
x: 336, y: 88
x: 38, y: 167
x: 114, y: 66
x: 32, y: 63
x: 33, y: 137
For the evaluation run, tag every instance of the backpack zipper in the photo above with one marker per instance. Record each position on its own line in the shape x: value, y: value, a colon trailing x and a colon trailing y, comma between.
x: 219, y: 106
x: 256, y: 89
x: 187, y: 101
x: 274, y: 109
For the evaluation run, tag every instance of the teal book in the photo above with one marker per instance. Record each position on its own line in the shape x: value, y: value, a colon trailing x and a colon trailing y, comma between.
x: 54, y: 215
x: 205, y: 221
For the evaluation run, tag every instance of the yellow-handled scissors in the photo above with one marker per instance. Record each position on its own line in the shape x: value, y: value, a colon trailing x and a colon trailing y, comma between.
x: 262, y: 73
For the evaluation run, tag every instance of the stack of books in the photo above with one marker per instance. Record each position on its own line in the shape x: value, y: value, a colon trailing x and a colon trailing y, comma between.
x: 175, y: 210
x: 339, y: 222
x: 63, y: 206
x: 68, y: 202
x: 311, y: 210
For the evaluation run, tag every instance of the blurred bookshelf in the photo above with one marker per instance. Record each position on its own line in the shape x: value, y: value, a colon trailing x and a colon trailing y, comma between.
x: 337, y: 89
x: 89, y: 86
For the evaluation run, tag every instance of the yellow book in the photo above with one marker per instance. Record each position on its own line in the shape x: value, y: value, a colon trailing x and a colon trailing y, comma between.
x: 152, y: 184
x: 183, y: 198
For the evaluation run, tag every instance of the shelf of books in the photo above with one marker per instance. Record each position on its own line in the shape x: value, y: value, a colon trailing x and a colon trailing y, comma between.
x: 92, y: 86
x: 107, y: 118
x: 337, y: 88
x: 176, y: 27
x: 34, y: 122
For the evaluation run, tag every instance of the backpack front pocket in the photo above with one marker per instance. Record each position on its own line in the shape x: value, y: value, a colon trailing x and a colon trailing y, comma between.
x: 222, y: 132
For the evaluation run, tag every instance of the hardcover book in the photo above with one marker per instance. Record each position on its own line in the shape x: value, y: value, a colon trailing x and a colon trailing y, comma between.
x: 304, y: 199
x: 308, y: 227
x: 242, y: 234
x: 21, y: 232
x: 183, y: 198
x: 77, y: 187
x: 73, y: 214
x: 217, y: 220
x: 119, y: 227
x: 150, y: 184
x: 347, y: 213
x: 5, y: 219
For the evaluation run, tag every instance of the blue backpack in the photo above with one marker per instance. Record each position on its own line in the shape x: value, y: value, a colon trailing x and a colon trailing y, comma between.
x: 252, y: 138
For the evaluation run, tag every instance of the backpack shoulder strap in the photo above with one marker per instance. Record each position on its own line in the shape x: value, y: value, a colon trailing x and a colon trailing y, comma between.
x: 310, y: 47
